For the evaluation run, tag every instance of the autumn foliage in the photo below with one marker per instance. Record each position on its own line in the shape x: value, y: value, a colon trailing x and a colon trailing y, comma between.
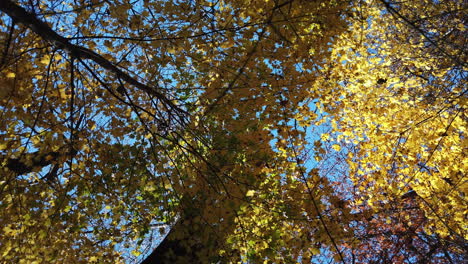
x: 257, y: 131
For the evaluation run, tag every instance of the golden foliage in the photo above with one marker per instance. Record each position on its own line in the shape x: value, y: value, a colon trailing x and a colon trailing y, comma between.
x: 261, y: 130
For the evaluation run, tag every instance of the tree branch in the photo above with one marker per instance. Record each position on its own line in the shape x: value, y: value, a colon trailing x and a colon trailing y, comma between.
x: 30, y: 20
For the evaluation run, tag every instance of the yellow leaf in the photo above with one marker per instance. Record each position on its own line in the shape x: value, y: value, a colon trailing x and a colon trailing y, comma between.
x: 250, y: 193
x: 315, y: 251
x: 324, y: 137
x: 336, y: 147
x: 45, y: 60
x: 228, y: 44
x: 10, y: 75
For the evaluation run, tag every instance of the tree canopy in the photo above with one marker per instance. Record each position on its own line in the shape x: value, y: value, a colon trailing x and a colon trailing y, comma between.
x: 256, y: 131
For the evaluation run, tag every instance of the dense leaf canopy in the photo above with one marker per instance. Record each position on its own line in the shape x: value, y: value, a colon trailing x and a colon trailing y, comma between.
x: 256, y: 131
